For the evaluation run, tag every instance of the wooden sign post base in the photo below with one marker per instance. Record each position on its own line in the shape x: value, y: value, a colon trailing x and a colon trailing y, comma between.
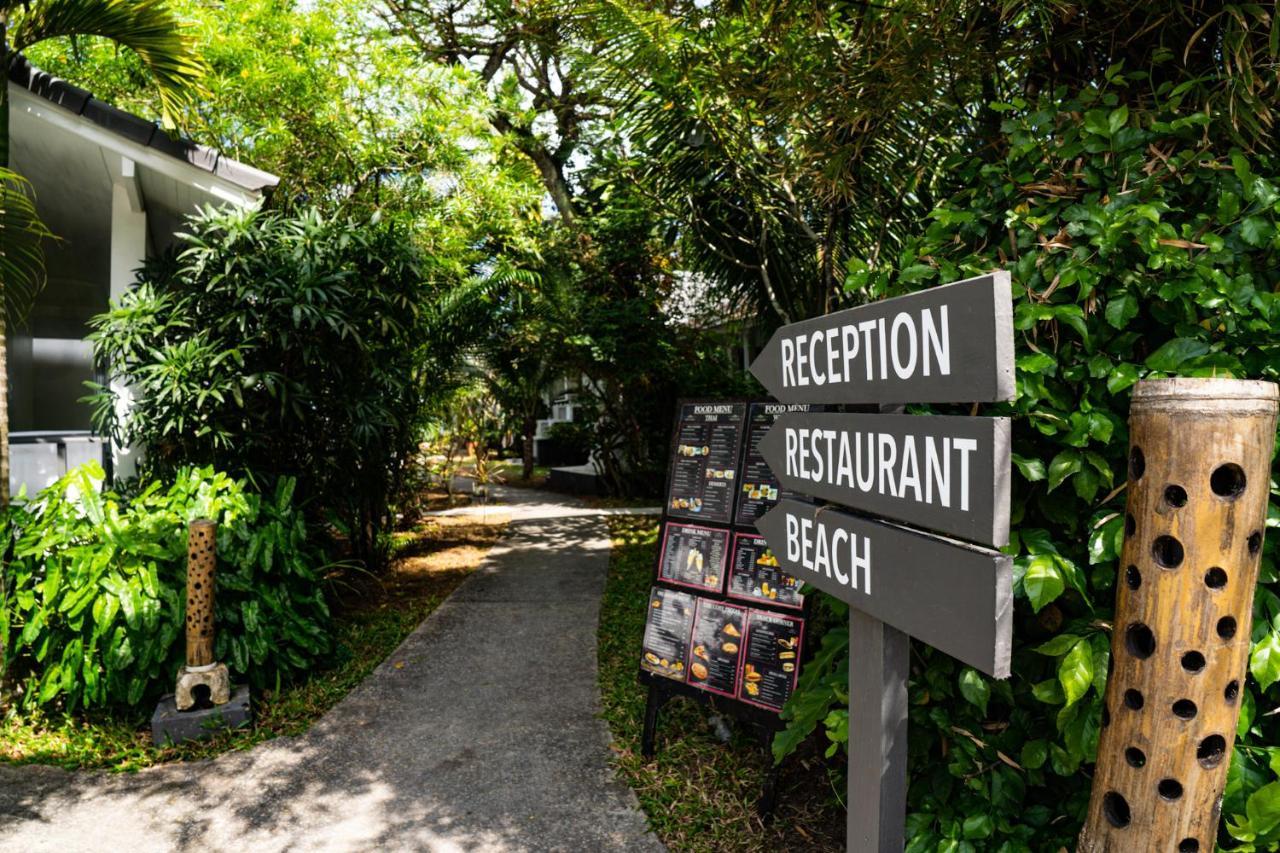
x: 877, y: 793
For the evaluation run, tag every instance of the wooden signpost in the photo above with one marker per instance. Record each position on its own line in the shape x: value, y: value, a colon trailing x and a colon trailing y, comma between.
x: 949, y: 474
x: 953, y: 596
x: 951, y: 344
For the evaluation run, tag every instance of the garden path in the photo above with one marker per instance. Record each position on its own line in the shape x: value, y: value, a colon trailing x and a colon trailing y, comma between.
x: 478, y: 734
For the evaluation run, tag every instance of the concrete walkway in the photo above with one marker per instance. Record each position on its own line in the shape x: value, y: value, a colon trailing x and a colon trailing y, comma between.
x: 511, y: 504
x: 478, y: 734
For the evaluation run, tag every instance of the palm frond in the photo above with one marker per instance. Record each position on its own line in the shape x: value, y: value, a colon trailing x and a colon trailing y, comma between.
x: 22, y: 236
x: 149, y: 28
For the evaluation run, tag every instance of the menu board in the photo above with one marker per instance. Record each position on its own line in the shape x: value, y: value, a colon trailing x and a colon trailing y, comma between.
x: 758, y: 489
x: 710, y: 551
x: 704, y: 468
x: 772, y: 659
x: 754, y: 574
x: 666, y: 632
x: 716, y: 646
x: 694, y: 556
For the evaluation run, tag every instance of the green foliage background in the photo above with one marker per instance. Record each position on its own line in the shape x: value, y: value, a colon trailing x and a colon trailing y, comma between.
x: 92, y: 604
x: 285, y: 344
x: 1138, y: 248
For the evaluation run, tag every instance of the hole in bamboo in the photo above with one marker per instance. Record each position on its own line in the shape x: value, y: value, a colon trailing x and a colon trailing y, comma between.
x: 1215, y: 578
x: 1130, y: 525
x: 1139, y: 640
x: 1135, y: 757
x: 1133, y: 699
x: 1188, y: 845
x: 1227, y: 481
x: 1211, y: 751
x: 1255, y: 542
x: 1133, y: 577
x: 1232, y: 692
x: 1167, y: 552
x: 1116, y: 810
x: 1137, y: 463
x: 1184, y: 709
x: 1175, y: 496
x: 1170, y: 789
x: 1227, y: 627
x: 1193, y: 661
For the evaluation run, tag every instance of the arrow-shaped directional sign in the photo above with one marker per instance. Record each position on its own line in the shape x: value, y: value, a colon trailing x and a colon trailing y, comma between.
x: 957, y: 598
x: 949, y: 474
x: 951, y: 344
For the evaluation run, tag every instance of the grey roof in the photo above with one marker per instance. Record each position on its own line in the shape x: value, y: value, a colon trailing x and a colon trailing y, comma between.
x: 136, y: 129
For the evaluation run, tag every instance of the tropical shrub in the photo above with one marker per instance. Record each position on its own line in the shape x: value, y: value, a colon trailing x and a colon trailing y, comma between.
x: 92, y: 604
x: 278, y: 345
x: 1139, y: 245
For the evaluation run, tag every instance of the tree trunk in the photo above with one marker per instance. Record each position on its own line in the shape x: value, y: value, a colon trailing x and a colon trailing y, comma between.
x: 530, y: 427
x: 4, y: 348
x: 4, y: 331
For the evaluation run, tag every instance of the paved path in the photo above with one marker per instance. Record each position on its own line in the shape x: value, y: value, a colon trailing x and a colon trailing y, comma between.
x: 478, y: 734
x: 508, y: 503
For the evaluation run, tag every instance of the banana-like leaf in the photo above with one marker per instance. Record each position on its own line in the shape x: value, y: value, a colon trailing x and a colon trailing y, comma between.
x: 147, y: 27
x: 22, y: 236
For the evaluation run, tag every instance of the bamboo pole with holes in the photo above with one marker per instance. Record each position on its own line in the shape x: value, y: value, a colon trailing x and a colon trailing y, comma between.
x: 201, y: 563
x: 1199, y: 477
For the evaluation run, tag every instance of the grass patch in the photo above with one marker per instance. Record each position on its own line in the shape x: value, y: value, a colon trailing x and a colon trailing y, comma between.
x: 372, y: 616
x: 698, y: 792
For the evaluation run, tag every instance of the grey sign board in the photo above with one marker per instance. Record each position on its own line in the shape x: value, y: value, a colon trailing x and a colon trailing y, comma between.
x: 956, y: 597
x: 949, y: 474
x: 950, y: 344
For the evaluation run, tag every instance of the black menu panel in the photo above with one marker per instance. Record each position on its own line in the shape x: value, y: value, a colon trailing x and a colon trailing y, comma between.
x: 666, y: 632
x: 754, y: 574
x: 694, y: 556
x: 716, y: 649
x: 758, y: 489
x: 704, y: 467
x: 771, y: 662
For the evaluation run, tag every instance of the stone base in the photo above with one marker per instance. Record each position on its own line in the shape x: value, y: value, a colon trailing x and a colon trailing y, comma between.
x: 171, y: 726
x: 216, y: 681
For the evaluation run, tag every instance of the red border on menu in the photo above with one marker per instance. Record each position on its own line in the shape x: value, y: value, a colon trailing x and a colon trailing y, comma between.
x: 733, y: 564
x: 746, y: 639
x: 742, y: 649
x: 724, y: 567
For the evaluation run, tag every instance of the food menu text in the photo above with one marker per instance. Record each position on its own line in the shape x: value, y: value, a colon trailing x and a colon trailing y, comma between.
x: 754, y: 574
x: 716, y: 646
x: 666, y: 632
x: 771, y: 661
x: 694, y: 556
x: 704, y: 467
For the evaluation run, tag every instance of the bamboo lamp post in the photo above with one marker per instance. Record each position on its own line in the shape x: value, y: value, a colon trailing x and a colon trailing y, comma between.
x: 201, y: 669
x: 1199, y: 478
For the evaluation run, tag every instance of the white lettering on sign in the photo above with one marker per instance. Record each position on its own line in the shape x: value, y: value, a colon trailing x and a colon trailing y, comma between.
x: 832, y: 552
x: 906, y: 345
x: 883, y: 463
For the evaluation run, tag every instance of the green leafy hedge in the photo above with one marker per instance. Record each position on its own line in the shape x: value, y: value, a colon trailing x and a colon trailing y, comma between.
x: 1137, y: 247
x: 92, y: 603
